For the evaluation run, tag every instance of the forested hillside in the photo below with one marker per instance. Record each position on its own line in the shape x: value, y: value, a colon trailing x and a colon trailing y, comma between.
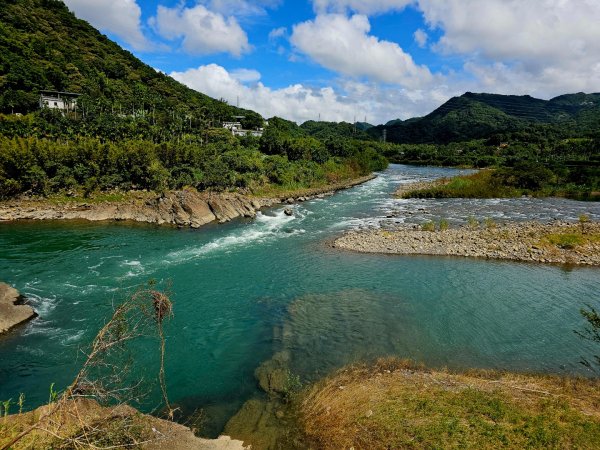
x: 45, y: 47
x: 135, y: 128
x: 477, y: 116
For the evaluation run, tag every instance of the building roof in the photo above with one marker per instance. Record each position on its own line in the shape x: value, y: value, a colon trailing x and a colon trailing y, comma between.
x: 72, y: 94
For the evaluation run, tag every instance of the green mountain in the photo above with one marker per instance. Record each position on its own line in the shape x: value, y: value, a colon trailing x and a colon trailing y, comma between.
x: 43, y: 46
x: 476, y: 116
x: 334, y: 130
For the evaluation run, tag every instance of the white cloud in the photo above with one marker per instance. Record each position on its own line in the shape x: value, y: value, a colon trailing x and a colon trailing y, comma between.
x: 360, y: 6
x: 277, y: 33
x: 240, y: 8
x: 349, y: 100
x: 421, y: 37
x: 203, y: 31
x: 246, y: 75
x: 542, y: 47
x: 343, y: 44
x: 120, y: 17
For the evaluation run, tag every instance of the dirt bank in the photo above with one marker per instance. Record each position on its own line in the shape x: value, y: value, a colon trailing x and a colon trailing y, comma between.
x: 83, y: 423
x: 395, y: 404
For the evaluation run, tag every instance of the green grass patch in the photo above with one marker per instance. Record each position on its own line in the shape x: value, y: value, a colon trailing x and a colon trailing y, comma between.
x: 408, y: 407
x: 498, y: 184
x: 478, y: 185
x: 569, y: 241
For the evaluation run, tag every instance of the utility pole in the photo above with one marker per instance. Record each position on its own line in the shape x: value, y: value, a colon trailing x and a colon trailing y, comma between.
x: 385, y: 135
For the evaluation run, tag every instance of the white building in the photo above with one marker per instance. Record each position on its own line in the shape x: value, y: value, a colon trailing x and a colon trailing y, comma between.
x: 63, y: 101
x: 237, y: 130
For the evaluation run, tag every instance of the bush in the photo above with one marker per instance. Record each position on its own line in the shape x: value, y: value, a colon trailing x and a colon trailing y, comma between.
x: 428, y: 226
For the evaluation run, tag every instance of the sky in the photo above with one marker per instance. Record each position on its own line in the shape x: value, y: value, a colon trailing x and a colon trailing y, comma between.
x: 347, y: 60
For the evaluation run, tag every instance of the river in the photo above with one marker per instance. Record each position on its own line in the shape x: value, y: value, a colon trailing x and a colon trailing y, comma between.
x: 247, y: 289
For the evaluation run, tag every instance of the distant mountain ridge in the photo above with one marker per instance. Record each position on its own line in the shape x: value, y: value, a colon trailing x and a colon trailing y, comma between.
x: 474, y: 116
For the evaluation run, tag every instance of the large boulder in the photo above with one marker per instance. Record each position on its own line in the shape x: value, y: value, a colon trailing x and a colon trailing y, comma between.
x: 12, y: 311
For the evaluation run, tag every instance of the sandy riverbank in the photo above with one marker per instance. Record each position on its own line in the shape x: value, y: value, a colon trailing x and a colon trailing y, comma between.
x: 556, y: 242
x: 187, y: 208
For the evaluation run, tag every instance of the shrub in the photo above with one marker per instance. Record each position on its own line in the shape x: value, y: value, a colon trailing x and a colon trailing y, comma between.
x: 473, y: 223
x: 489, y: 223
x: 428, y: 226
x: 566, y: 241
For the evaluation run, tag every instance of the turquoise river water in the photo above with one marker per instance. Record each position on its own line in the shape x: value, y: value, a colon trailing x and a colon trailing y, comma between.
x: 247, y: 289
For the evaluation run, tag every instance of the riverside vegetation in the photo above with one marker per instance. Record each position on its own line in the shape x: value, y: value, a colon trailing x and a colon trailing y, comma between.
x: 137, y: 129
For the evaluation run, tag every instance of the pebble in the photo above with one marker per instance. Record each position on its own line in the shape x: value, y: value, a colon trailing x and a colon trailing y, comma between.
x: 514, y: 241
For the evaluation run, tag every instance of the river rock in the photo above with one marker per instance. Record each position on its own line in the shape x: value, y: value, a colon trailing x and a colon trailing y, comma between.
x: 186, y: 208
x: 288, y: 211
x: 525, y: 241
x: 273, y: 375
x: 12, y: 311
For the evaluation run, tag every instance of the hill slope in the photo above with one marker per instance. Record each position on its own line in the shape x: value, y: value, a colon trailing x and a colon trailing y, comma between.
x: 45, y: 47
x: 476, y: 116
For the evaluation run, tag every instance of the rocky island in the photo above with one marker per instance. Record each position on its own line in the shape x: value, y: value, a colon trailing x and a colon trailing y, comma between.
x: 556, y: 242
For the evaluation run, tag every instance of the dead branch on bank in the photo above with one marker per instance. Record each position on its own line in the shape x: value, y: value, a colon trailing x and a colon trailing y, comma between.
x: 105, y: 378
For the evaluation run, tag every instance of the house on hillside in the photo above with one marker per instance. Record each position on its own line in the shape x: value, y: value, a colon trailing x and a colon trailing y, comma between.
x: 63, y: 101
x: 237, y: 129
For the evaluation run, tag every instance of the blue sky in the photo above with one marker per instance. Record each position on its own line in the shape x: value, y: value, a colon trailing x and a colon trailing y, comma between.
x: 341, y: 59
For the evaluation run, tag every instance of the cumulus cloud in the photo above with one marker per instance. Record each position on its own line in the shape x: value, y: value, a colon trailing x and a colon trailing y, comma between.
x: 240, y: 8
x: 421, y: 37
x: 343, y: 44
x: 277, y: 33
x: 360, y: 6
x: 345, y: 102
x: 120, y: 17
x: 544, y: 46
x: 202, y: 31
x: 246, y: 75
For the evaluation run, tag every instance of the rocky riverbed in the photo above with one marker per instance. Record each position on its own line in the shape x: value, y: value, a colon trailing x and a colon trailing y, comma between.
x: 556, y: 242
x: 187, y: 208
x: 12, y: 310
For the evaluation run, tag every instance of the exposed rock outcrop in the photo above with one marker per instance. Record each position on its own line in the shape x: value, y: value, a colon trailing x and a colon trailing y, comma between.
x: 181, y: 208
x: 12, y: 311
x: 187, y: 208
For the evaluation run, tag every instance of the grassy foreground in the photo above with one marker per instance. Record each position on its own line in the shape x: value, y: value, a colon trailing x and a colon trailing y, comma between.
x: 397, y: 405
x: 498, y: 184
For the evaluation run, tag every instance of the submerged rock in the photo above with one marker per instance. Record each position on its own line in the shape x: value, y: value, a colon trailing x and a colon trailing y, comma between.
x: 12, y: 311
x: 273, y: 375
x: 288, y: 211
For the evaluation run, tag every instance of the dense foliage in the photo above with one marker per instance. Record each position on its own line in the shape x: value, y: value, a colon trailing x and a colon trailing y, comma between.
x: 476, y: 116
x: 43, y: 166
x: 45, y: 47
x: 135, y: 128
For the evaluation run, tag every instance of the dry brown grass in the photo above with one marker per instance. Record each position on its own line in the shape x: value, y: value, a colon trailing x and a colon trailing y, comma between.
x: 398, y: 405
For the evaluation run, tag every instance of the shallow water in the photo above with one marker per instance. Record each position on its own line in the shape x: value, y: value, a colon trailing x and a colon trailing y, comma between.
x: 249, y: 288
